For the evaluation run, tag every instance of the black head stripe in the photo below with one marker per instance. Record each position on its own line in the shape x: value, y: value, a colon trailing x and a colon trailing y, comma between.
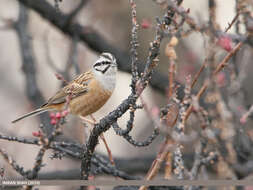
x: 104, y: 70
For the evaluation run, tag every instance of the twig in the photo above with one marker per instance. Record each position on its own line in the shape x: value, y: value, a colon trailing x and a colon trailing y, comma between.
x: 45, y: 145
x: 245, y: 116
x: 222, y: 64
x: 196, y: 76
x: 200, y: 160
x: 157, y: 163
x: 137, y: 143
x: 19, y: 139
x: 179, y: 163
x: 134, y: 45
x: 217, y: 70
x: 233, y: 21
x: 129, y: 126
x: 13, y: 163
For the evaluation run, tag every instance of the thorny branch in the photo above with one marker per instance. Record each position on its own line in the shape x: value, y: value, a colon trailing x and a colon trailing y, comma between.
x: 73, y: 150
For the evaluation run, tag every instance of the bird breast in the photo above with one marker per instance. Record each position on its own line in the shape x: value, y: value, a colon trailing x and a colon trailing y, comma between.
x: 89, y: 102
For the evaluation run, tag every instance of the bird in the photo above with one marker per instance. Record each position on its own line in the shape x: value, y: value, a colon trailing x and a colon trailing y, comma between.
x: 88, y: 92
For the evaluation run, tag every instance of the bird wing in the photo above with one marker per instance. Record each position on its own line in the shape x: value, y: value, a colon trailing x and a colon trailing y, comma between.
x: 75, y: 88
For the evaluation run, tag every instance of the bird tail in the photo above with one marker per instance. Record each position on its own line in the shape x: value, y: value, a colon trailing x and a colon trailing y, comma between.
x: 33, y: 113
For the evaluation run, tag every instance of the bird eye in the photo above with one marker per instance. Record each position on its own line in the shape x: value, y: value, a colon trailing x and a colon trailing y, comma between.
x: 106, y: 63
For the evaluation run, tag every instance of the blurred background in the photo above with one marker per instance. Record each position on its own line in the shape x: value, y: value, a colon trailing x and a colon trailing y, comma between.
x: 53, y: 51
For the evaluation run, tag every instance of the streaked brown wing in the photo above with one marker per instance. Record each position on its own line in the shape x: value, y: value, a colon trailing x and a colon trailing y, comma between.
x: 76, y: 88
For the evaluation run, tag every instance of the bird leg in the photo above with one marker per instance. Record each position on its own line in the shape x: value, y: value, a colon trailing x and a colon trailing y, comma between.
x: 105, y: 143
x: 93, y: 118
x: 92, y: 122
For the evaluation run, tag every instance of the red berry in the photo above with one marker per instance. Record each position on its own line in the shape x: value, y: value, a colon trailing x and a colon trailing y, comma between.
x: 36, y: 133
x: 225, y: 42
x: 53, y: 121
x: 65, y: 113
x: 145, y: 24
x: 58, y: 115
x: 52, y: 115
